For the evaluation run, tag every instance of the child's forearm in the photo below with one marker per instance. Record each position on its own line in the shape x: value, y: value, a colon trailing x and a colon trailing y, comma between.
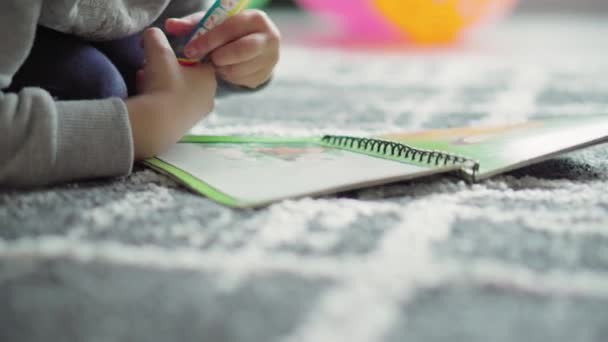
x: 152, y: 129
x: 44, y: 142
x: 159, y: 121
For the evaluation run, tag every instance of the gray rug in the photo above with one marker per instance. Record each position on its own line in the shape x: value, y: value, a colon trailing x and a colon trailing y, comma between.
x: 520, y: 257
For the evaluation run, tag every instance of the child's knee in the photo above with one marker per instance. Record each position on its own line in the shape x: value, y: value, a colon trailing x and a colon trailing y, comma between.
x: 95, y: 78
x: 69, y: 69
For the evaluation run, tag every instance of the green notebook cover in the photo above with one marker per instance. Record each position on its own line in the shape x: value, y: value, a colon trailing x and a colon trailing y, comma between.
x: 255, y: 171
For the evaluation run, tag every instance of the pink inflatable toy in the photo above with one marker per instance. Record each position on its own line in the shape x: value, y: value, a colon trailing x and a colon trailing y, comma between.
x: 358, y: 18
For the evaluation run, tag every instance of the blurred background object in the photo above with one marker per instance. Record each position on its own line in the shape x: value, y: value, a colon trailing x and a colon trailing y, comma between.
x: 525, y: 5
x: 437, y: 22
x: 420, y: 22
x: 354, y: 19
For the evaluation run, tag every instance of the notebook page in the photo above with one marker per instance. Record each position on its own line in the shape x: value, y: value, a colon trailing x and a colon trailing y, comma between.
x: 259, y: 173
x: 502, y: 148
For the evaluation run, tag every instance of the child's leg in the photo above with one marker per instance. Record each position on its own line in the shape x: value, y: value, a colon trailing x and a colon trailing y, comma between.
x: 127, y: 55
x: 69, y: 68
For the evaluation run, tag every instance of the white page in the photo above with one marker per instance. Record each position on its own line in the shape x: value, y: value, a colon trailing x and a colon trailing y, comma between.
x: 257, y: 173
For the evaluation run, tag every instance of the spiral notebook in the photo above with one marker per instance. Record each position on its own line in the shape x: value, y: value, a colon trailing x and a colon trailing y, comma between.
x: 243, y: 171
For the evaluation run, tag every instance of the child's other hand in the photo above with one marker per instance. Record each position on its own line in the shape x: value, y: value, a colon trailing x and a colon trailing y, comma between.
x: 171, y: 100
x: 244, y: 48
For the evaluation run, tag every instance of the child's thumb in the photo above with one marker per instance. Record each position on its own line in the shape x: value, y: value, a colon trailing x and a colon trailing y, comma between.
x: 159, y: 54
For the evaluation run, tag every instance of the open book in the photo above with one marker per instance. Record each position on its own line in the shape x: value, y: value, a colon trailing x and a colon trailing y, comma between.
x: 256, y: 171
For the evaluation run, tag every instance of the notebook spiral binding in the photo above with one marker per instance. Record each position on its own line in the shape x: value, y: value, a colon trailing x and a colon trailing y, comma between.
x: 398, y: 150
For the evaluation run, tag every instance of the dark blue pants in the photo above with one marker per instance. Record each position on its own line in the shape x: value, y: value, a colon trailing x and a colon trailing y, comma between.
x: 71, y: 68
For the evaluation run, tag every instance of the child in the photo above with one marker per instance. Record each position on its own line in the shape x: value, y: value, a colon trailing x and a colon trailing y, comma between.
x: 82, y: 98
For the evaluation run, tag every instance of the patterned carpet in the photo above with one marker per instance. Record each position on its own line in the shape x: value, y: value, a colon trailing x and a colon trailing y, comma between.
x: 520, y: 257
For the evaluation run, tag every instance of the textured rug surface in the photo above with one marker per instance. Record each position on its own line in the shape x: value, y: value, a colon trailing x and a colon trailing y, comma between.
x: 523, y: 256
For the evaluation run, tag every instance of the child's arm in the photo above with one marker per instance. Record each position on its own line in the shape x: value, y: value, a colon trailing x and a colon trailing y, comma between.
x: 173, y: 98
x: 44, y: 141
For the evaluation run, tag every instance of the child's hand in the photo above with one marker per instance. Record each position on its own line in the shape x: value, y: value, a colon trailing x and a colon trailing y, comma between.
x: 244, y: 48
x: 172, y: 98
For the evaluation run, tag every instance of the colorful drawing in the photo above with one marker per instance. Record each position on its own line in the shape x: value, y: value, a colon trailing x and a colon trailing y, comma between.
x: 242, y: 173
x: 501, y: 146
x: 291, y: 153
x: 265, y: 153
x: 459, y: 136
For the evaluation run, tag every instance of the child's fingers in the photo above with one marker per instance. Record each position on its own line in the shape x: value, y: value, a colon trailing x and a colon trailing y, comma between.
x: 235, y: 27
x: 241, y: 70
x: 240, y: 50
x: 183, y: 26
x: 157, y: 47
x: 158, y: 53
x: 254, y: 80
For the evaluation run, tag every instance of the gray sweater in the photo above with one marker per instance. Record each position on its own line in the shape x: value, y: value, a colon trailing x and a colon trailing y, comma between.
x: 43, y: 141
